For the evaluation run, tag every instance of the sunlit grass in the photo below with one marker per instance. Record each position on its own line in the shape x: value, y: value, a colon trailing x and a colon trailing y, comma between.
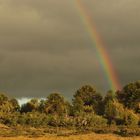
x: 75, y: 137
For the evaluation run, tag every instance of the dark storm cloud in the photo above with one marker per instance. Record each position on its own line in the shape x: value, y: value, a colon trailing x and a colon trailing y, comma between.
x: 44, y: 46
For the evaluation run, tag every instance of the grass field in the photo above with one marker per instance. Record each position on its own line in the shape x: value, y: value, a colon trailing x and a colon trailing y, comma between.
x: 29, y: 133
x: 77, y: 137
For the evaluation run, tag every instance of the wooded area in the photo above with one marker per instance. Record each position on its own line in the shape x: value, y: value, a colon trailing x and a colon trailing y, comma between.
x: 117, y: 111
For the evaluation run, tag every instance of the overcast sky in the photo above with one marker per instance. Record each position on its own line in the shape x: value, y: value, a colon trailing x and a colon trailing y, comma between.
x: 45, y: 47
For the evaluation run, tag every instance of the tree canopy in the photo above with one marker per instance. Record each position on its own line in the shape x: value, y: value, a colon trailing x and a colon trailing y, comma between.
x: 88, y: 108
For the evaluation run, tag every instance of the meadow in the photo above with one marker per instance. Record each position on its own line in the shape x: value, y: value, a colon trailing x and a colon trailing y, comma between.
x: 75, y: 137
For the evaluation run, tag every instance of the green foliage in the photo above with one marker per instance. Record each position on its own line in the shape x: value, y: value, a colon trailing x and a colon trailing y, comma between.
x: 96, y: 121
x: 130, y: 96
x: 15, y: 104
x: 42, y: 106
x: 56, y: 104
x: 129, y: 131
x: 78, y: 106
x: 11, y: 120
x: 34, y: 119
x: 87, y: 96
x: 114, y: 111
x: 130, y: 118
x: 88, y: 109
x: 110, y: 96
x: 3, y: 98
x: 83, y: 112
x: 90, y: 120
x: 8, y: 105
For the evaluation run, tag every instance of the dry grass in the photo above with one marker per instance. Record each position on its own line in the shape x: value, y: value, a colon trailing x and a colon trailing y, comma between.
x: 29, y: 133
x: 77, y: 137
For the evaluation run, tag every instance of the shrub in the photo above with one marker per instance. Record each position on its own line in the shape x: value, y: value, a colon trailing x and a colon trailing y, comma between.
x: 131, y: 118
x: 96, y: 121
x: 90, y: 120
x: 10, y: 119
x: 114, y: 112
x: 129, y: 132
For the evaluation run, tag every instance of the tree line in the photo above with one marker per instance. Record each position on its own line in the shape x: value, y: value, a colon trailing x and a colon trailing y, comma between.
x: 88, y: 108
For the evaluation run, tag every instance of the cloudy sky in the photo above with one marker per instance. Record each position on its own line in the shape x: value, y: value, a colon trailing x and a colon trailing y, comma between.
x: 44, y: 46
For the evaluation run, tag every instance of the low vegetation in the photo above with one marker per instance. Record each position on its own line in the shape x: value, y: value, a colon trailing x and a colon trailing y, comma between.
x: 117, y: 113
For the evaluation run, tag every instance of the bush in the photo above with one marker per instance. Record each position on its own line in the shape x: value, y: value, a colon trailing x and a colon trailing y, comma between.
x: 52, y: 121
x: 130, y: 118
x: 96, y: 121
x: 114, y: 112
x: 129, y: 132
x: 10, y: 119
x: 90, y: 120
x: 34, y: 119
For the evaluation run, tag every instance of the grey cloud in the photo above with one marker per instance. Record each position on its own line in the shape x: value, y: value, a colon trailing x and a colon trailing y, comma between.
x: 44, y: 46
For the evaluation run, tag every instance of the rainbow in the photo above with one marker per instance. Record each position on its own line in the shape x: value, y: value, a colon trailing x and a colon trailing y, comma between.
x: 101, y: 51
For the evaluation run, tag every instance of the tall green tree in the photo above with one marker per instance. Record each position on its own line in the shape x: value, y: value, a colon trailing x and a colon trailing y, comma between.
x: 130, y: 95
x: 114, y: 111
x: 42, y: 105
x: 8, y: 105
x: 110, y: 96
x: 78, y: 106
x: 56, y: 104
x: 3, y: 98
x: 15, y: 104
x: 130, y: 118
x: 89, y: 97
